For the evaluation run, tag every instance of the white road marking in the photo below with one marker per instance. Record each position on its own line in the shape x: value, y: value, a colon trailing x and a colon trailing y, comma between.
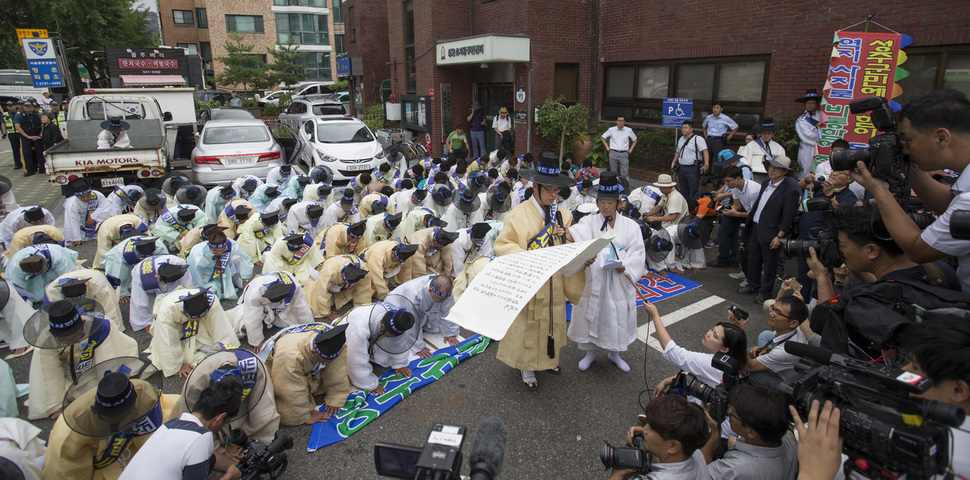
x: 674, y: 317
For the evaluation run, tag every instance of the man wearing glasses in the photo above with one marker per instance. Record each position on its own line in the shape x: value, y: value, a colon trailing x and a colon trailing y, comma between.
x: 771, y: 364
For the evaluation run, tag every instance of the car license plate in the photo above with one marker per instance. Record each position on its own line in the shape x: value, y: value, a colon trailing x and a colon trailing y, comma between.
x: 110, y: 182
x: 247, y: 160
x: 356, y: 167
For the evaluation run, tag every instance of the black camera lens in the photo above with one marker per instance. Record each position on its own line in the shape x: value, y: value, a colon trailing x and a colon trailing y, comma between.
x: 847, y: 159
x: 625, y: 458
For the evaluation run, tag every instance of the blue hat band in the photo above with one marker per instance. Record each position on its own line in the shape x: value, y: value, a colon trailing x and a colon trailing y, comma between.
x: 69, y: 323
x: 121, y: 401
x: 551, y: 171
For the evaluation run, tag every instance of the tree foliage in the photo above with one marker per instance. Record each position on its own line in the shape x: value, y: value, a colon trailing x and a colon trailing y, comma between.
x: 85, y: 27
x: 287, y: 67
x: 242, y: 67
x: 559, y: 122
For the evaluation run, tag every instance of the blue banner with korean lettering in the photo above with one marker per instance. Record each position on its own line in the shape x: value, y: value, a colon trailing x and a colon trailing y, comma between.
x: 42, y: 62
x: 362, y: 407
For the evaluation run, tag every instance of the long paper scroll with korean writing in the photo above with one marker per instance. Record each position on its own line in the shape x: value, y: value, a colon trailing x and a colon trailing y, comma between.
x: 504, y: 287
x: 863, y: 64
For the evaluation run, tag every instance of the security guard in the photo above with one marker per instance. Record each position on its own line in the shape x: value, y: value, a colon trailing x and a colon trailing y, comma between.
x: 27, y: 124
x: 10, y: 133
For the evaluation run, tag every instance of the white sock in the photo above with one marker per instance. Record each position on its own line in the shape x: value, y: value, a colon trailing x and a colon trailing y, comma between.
x: 587, y: 361
x: 615, y: 358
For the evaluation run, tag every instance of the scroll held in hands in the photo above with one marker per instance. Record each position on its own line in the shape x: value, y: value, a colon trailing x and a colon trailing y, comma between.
x: 504, y: 287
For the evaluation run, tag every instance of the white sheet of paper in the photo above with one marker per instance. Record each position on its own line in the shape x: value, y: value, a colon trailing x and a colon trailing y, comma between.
x: 504, y: 287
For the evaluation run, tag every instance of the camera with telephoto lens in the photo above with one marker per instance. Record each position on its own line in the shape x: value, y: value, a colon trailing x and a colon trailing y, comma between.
x: 826, y: 248
x: 960, y: 224
x: 739, y: 314
x: 259, y: 458
x: 881, y: 156
x: 686, y: 384
x: 626, y: 458
x: 887, y: 432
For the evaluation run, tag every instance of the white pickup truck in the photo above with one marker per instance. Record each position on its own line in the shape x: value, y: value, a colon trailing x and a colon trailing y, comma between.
x: 78, y: 156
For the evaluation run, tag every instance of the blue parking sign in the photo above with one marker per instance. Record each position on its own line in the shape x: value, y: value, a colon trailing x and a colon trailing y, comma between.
x: 676, y: 111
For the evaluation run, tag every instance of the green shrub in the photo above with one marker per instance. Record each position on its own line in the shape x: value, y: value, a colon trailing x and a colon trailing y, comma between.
x: 270, y: 110
x: 374, y: 117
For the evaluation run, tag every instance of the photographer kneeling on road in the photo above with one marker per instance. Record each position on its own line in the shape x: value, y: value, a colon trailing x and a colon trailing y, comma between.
x: 934, y: 131
x: 182, y: 448
x: 673, y: 433
x: 764, y: 449
x: 770, y: 365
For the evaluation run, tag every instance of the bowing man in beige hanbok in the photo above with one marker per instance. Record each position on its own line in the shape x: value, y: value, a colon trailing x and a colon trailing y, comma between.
x: 342, y: 280
x: 188, y: 323
x: 295, y: 254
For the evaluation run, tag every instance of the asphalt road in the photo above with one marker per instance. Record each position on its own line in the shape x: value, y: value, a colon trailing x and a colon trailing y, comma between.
x: 555, y: 431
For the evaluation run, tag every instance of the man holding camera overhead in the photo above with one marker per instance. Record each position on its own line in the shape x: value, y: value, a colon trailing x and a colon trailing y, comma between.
x: 934, y: 131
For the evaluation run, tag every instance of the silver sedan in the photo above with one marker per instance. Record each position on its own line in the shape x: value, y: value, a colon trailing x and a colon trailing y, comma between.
x: 228, y: 149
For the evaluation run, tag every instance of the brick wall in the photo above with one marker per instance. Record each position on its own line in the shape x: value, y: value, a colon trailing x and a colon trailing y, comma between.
x: 172, y: 32
x: 371, y: 44
x: 796, y: 35
x: 217, y: 11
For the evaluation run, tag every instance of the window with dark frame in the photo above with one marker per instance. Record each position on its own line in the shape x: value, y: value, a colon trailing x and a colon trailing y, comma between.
x: 202, y: 18
x: 933, y: 68
x: 205, y: 51
x: 338, y: 11
x: 339, y: 44
x: 636, y: 90
x: 182, y: 17
x: 409, y: 55
x: 566, y: 82
x: 244, y: 23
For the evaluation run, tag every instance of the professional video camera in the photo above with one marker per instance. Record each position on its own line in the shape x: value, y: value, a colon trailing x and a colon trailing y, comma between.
x: 960, y: 224
x: 259, y: 458
x: 716, y: 398
x: 888, y: 433
x: 626, y: 458
x: 825, y: 244
x: 882, y: 156
x: 440, y: 458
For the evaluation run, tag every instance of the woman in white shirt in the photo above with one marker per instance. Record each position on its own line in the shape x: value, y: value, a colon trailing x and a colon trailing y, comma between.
x: 723, y: 337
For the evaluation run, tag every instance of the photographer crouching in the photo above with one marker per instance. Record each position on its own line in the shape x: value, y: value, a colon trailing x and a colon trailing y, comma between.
x: 934, y: 131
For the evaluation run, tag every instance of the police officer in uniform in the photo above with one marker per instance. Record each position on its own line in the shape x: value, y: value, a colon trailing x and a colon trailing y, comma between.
x: 27, y: 124
x: 10, y: 133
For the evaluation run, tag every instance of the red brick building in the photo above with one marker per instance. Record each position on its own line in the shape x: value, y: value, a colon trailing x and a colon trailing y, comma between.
x: 623, y: 57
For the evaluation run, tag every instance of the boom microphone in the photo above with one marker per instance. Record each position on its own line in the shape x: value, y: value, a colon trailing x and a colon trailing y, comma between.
x: 818, y: 354
x: 488, y: 451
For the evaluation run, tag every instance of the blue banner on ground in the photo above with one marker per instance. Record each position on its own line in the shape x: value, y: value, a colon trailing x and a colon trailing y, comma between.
x: 362, y: 407
x: 655, y: 289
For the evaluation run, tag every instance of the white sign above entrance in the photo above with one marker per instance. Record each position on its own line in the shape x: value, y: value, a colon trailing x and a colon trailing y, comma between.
x: 483, y: 49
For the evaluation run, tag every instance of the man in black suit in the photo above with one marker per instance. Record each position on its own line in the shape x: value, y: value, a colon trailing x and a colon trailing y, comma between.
x: 769, y: 225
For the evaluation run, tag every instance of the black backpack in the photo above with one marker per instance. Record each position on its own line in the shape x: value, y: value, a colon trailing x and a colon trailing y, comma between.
x: 865, y: 322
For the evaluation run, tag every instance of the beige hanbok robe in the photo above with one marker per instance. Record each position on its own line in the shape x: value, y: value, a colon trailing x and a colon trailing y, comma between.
x: 232, y: 228
x: 291, y: 367
x: 98, y: 289
x: 329, y: 292
x: 109, y: 236
x: 255, y: 238
x: 280, y: 259
x: 427, y: 259
x: 25, y: 237
x: 525, y: 344
x: 172, y: 341
x: 381, y: 266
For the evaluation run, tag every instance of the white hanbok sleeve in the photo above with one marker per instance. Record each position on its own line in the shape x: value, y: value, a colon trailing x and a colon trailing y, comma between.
x: 140, y: 315
x: 359, y: 369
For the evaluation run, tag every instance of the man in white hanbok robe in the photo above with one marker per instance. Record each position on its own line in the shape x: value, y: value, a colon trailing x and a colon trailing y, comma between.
x: 432, y: 299
x: 379, y: 334
x: 23, y: 217
x: 271, y: 300
x: 188, y: 322
x: 23, y: 446
x: 151, y: 278
x: 121, y: 200
x: 16, y: 311
x: 245, y: 186
x: 471, y: 243
x: 119, y: 261
x: 305, y: 217
x: 220, y: 264
x: 43, y: 263
x: 342, y: 211
x: 79, y: 224
x: 606, y: 315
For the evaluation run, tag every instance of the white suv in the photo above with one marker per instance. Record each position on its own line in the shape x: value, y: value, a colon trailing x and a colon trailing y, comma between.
x: 344, y: 146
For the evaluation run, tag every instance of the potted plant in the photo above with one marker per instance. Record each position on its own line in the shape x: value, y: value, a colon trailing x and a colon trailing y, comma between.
x: 562, y: 123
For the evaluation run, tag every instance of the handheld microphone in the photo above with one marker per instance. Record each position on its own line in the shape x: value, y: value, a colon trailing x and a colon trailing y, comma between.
x: 562, y: 238
x: 488, y: 451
